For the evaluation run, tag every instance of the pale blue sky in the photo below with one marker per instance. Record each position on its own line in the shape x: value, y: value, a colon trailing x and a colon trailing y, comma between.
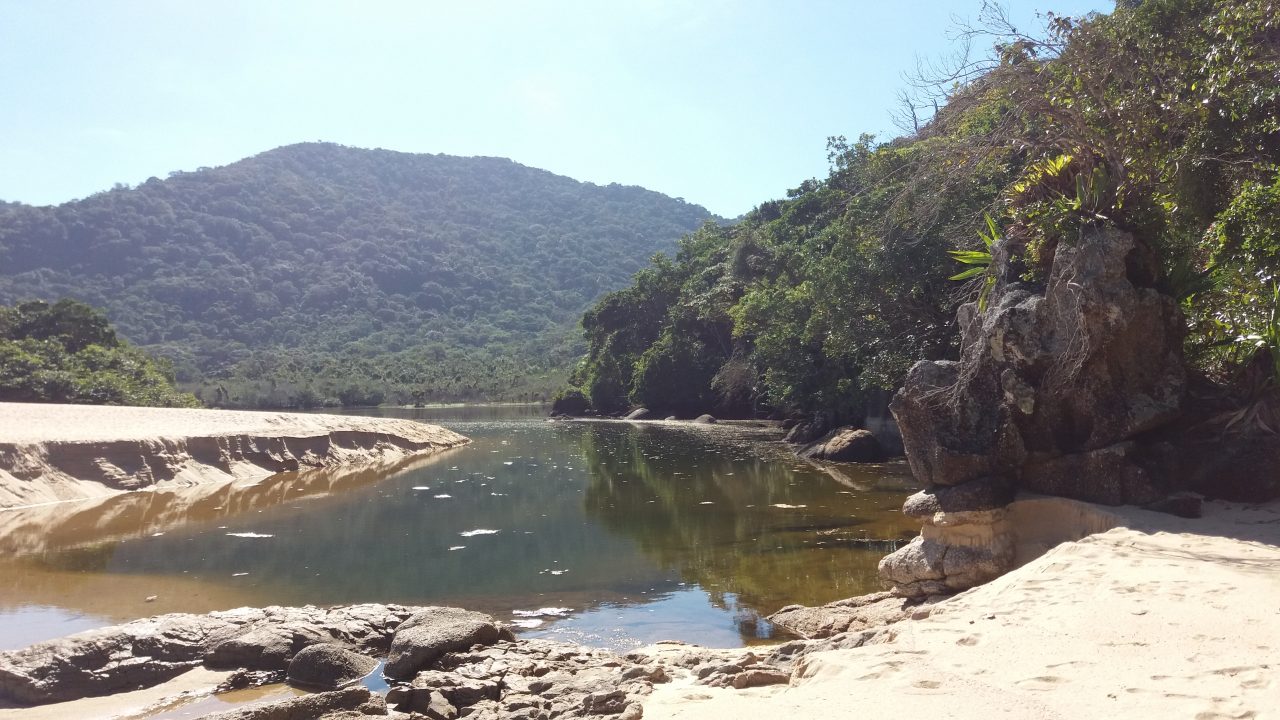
x: 725, y: 103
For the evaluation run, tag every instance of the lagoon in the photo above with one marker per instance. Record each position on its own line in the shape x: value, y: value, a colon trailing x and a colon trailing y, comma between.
x: 608, y: 533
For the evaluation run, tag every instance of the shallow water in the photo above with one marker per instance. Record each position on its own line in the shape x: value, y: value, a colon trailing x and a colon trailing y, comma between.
x: 625, y: 533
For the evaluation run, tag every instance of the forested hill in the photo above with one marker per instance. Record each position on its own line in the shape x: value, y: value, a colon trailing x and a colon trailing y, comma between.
x: 1161, y: 119
x: 317, y: 271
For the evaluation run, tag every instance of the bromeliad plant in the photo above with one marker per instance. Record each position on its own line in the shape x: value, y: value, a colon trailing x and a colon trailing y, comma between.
x: 980, y: 262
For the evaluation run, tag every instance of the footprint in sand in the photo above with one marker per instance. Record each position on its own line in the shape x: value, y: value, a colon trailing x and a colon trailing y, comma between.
x: 1041, y: 682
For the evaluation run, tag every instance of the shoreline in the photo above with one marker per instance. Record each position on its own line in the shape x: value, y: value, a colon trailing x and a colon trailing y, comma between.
x: 53, y: 453
x: 1139, y: 614
x: 1156, y: 617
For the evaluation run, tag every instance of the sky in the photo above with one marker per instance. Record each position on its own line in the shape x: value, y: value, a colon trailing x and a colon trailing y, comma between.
x: 725, y: 103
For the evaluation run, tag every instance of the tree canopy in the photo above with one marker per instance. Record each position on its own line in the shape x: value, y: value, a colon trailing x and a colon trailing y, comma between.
x: 1161, y: 119
x: 68, y: 352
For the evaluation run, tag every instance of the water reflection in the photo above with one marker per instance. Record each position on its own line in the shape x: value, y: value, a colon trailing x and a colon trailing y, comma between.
x: 647, y: 532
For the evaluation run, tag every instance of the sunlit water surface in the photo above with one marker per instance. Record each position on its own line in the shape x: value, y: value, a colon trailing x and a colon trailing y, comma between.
x: 609, y: 533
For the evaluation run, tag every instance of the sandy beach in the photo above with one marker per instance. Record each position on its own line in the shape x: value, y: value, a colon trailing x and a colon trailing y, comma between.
x: 1175, y: 619
x: 52, y: 453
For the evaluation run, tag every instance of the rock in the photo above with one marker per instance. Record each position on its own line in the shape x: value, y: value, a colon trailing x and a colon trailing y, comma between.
x: 1109, y: 476
x: 637, y: 414
x: 981, y: 494
x: 759, y: 678
x: 328, y: 667
x: 307, y: 707
x: 1092, y: 362
x: 669, y: 418
x: 571, y: 403
x: 858, y: 613
x: 147, y: 652
x: 1228, y: 467
x: 272, y: 642
x: 934, y: 566
x: 434, y: 631
x: 1054, y: 392
x: 1182, y: 504
x: 705, y: 420
x: 846, y: 444
x: 807, y: 431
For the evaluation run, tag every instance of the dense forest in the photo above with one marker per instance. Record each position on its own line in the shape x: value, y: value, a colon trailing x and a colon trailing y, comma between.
x: 1161, y: 119
x: 316, y: 274
x: 68, y: 352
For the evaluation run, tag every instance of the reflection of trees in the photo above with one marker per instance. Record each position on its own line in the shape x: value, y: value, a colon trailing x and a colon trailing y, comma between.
x: 649, y: 483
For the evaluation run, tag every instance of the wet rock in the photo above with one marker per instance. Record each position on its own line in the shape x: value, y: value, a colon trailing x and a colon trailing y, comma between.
x: 637, y: 414
x: 271, y: 642
x: 846, y: 444
x: 705, y: 420
x: 147, y: 652
x: 434, y: 631
x: 669, y: 418
x: 328, y: 667
x: 807, y: 431
x: 319, y: 706
x: 858, y: 613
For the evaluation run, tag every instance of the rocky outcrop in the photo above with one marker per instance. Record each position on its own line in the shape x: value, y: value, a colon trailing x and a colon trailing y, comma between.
x: 570, y: 404
x: 846, y: 444
x: 488, y: 680
x: 51, y: 453
x: 150, y: 651
x: 638, y: 414
x: 1054, y: 392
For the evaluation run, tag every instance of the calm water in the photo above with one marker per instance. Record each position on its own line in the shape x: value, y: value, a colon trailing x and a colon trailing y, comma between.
x: 633, y: 532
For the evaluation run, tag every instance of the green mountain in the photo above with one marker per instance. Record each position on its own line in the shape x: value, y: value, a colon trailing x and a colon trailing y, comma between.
x: 317, y: 272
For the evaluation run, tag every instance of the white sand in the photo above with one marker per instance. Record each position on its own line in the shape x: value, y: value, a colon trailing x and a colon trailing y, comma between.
x: 40, y: 422
x: 52, y: 453
x: 1180, y: 622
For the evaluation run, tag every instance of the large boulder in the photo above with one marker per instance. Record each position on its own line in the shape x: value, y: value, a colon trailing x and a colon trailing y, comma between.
x: 637, y: 414
x: 434, y: 631
x: 572, y: 403
x: 846, y: 444
x: 1056, y: 391
x: 328, y: 667
x: 1092, y: 362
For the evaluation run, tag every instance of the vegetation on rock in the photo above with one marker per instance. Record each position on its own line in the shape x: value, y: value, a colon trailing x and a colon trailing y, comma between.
x: 1161, y: 119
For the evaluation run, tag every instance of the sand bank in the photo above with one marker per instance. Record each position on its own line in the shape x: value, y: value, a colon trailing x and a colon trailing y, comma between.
x: 51, y: 453
x: 1165, y: 618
